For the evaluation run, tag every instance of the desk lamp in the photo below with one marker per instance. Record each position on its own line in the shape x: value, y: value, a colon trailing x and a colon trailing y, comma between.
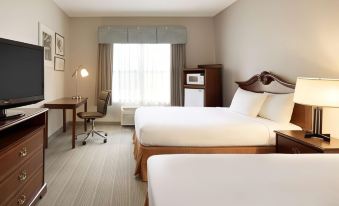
x: 83, y: 73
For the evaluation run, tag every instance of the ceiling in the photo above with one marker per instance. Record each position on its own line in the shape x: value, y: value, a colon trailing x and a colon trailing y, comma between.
x: 145, y: 8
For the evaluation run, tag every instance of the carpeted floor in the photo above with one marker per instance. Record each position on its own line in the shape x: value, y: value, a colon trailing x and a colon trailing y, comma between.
x: 95, y: 174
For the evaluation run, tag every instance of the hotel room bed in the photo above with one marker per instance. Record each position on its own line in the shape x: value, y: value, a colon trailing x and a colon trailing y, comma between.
x: 182, y: 130
x: 203, y: 127
x: 242, y: 180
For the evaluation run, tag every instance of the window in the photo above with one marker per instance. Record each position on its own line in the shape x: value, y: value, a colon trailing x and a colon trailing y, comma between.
x: 141, y: 74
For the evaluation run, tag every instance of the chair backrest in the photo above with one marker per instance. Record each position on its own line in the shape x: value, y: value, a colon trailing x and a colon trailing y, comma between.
x: 103, y: 101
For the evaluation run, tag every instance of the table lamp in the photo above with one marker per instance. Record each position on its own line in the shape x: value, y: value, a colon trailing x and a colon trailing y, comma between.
x: 83, y: 73
x: 318, y: 93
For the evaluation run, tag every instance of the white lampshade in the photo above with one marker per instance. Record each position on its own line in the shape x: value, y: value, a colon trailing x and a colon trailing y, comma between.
x: 83, y: 72
x: 317, y: 92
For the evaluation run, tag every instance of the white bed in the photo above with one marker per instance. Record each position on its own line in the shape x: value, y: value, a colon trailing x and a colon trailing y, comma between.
x: 203, y: 127
x: 243, y: 180
x: 234, y: 130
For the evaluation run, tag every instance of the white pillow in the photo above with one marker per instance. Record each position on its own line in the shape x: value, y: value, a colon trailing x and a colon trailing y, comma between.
x: 278, y: 107
x: 247, y: 103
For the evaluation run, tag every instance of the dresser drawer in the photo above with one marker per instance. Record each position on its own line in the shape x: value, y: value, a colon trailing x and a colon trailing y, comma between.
x: 28, y: 192
x: 21, y: 176
x: 20, y: 153
x: 285, y: 145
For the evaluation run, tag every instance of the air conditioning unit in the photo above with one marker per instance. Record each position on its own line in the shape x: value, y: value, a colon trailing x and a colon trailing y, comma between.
x: 127, y: 115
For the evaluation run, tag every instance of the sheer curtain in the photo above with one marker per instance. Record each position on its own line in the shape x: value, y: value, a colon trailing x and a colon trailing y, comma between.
x: 141, y: 74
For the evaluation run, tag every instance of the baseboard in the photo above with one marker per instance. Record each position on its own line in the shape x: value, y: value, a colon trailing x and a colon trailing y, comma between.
x: 55, y: 134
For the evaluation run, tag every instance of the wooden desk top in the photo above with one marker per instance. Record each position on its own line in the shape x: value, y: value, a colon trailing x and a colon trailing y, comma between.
x: 66, y: 103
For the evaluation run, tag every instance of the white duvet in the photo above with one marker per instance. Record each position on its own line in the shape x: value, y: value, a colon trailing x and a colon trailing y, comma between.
x: 203, y: 127
x: 244, y: 180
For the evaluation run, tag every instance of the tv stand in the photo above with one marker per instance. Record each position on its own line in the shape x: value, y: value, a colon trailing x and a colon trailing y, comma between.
x: 22, y: 155
x: 10, y: 114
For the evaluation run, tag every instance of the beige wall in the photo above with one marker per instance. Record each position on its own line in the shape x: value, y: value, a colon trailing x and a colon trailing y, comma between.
x: 288, y: 37
x: 19, y: 21
x: 200, y: 48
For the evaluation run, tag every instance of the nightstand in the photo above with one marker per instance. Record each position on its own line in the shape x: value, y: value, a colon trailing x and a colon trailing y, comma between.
x: 294, y: 142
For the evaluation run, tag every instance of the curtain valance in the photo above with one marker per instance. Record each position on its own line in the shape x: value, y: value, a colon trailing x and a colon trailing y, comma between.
x: 142, y: 34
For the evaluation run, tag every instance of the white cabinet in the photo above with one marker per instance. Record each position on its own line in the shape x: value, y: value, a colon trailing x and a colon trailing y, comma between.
x: 194, y: 97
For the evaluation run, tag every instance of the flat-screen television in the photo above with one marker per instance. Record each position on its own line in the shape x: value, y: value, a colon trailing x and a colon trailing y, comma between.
x: 21, y: 74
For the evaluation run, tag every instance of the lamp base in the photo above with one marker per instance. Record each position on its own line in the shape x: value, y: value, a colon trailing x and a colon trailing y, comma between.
x: 325, y: 137
x: 318, y: 126
x: 77, y: 97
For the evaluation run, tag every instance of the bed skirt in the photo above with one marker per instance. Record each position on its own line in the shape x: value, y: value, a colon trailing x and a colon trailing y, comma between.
x: 142, y: 153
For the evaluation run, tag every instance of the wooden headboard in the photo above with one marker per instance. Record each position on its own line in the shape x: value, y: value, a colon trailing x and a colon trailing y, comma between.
x: 268, y: 82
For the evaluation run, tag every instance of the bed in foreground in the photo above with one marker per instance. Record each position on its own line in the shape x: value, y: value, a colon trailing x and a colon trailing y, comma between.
x: 242, y: 180
x: 175, y: 130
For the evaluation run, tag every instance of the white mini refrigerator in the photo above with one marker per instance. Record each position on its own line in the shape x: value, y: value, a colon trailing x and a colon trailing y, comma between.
x: 194, y: 97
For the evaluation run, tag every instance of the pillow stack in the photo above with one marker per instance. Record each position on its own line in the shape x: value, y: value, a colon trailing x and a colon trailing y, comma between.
x: 275, y: 107
x: 247, y: 103
x: 278, y: 107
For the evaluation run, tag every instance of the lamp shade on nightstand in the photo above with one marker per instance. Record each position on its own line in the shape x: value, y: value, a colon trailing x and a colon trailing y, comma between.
x: 317, y: 92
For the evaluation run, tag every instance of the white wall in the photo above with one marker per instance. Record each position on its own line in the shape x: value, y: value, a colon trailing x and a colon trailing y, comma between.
x: 19, y: 21
x: 200, y: 48
x: 290, y: 38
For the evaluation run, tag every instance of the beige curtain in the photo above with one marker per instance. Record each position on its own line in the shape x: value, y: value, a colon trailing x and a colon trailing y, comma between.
x: 105, y: 68
x: 178, y: 63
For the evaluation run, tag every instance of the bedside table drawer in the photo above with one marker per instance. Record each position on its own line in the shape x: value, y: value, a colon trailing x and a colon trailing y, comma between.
x: 285, y: 145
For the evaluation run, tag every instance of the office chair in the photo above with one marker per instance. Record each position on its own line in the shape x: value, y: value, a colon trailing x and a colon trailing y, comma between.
x: 102, y: 103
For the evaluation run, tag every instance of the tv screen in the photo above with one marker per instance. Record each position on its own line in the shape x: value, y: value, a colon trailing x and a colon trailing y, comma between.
x: 21, y: 74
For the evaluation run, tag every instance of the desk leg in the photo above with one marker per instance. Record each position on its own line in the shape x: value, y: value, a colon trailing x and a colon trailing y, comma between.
x: 73, y: 128
x: 64, y: 120
x: 85, y: 120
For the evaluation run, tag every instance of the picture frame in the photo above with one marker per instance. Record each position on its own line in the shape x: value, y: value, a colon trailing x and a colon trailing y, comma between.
x: 46, y: 39
x: 59, y: 45
x: 59, y: 64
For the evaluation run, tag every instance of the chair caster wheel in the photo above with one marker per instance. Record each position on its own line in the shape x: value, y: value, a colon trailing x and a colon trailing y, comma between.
x: 105, y: 140
x: 84, y: 143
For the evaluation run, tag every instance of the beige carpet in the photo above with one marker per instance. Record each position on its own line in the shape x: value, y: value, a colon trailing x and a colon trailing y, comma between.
x: 94, y: 174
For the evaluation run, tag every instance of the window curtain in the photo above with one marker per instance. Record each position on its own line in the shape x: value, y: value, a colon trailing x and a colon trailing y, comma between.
x: 105, y: 68
x: 178, y: 63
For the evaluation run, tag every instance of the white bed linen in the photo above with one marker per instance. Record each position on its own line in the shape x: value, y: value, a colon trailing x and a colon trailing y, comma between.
x: 243, y: 180
x: 203, y: 127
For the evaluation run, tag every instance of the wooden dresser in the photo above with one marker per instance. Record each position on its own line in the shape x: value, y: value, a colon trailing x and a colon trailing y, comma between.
x: 22, y: 157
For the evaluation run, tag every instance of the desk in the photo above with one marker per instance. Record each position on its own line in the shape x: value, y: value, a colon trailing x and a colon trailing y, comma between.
x: 68, y: 103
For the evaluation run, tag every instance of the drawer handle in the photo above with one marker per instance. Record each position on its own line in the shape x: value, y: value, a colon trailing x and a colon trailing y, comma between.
x: 22, y: 200
x: 23, y: 176
x: 23, y: 152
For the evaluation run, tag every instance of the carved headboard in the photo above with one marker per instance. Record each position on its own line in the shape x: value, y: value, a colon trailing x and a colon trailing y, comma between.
x: 268, y: 82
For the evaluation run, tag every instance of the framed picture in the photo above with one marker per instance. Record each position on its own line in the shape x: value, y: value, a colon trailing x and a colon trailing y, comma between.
x: 59, y: 64
x: 46, y: 39
x: 59, y: 44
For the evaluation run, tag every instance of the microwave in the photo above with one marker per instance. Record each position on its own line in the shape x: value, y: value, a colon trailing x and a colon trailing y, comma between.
x: 195, y: 78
